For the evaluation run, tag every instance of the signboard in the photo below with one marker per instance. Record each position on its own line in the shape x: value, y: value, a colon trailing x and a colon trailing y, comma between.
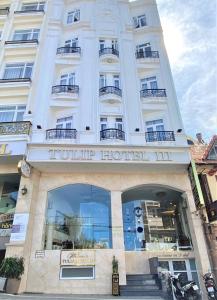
x: 19, y: 228
x: 39, y: 254
x: 6, y: 221
x: 13, y: 148
x: 77, y: 258
x: 195, y: 185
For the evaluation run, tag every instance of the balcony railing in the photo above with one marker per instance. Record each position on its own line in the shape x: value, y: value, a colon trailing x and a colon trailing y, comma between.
x: 105, y: 51
x: 159, y: 136
x: 147, y: 93
x: 29, y: 11
x: 15, y: 128
x: 68, y: 50
x: 8, y: 80
x: 110, y: 90
x: 4, y: 11
x: 147, y: 54
x: 59, y: 133
x: 112, y: 133
x: 71, y: 89
x: 33, y: 41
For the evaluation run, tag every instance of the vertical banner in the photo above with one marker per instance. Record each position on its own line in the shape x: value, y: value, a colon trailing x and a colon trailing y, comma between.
x: 19, y: 228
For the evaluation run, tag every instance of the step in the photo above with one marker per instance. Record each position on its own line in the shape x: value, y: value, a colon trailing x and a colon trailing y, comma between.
x: 141, y: 277
x: 139, y: 288
x: 142, y: 293
x: 141, y: 282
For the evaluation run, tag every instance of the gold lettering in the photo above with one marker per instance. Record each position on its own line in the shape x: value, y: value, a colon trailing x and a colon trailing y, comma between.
x: 3, y: 150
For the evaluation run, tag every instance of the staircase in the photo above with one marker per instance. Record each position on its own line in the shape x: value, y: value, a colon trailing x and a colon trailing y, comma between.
x: 142, y: 285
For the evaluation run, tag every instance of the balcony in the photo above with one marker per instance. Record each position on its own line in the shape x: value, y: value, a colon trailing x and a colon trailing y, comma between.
x: 4, y: 11
x: 71, y: 89
x: 15, y: 128
x: 13, y: 80
x: 15, y: 42
x: 69, y: 50
x: 64, y: 93
x: 109, y: 55
x: 153, y: 93
x: 147, y: 54
x: 160, y: 136
x: 112, y: 134
x: 110, y: 94
x: 29, y: 11
x: 59, y: 133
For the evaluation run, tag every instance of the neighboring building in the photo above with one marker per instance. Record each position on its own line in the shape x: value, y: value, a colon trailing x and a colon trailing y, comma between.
x: 204, y: 163
x: 107, y: 150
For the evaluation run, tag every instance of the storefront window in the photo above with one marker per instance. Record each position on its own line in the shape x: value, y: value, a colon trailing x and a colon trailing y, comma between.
x: 9, y: 186
x: 78, y: 217
x: 155, y: 220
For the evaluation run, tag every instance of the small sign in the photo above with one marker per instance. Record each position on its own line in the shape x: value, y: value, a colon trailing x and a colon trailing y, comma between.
x: 39, y: 254
x: 78, y: 258
x: 19, y: 228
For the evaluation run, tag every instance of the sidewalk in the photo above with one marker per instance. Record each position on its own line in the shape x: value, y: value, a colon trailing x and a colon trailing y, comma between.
x: 72, y: 297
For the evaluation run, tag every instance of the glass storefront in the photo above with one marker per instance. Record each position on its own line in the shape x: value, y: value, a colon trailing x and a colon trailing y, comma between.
x: 9, y: 187
x: 78, y: 217
x: 155, y: 225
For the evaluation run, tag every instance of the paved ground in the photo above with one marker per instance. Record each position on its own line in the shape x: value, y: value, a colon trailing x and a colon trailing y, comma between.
x: 71, y: 297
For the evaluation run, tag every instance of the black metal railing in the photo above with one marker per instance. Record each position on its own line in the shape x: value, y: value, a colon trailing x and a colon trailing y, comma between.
x: 112, y: 133
x: 158, y: 136
x: 4, y: 11
x: 7, y: 80
x: 153, y: 93
x: 108, y: 51
x: 110, y: 90
x: 35, y: 41
x: 147, y: 54
x: 59, y: 133
x: 29, y: 11
x: 68, y: 50
x: 72, y: 89
x: 15, y: 128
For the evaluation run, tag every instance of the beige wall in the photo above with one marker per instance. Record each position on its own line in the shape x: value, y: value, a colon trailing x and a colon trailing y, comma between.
x: 42, y: 275
x: 212, y: 186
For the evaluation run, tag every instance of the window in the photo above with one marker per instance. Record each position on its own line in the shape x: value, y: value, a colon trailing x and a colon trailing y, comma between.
x: 102, y: 81
x: 72, y: 43
x: 144, y: 49
x: 102, y: 44
x: 116, y: 81
x: 155, y: 125
x: 119, y: 123
x: 64, y: 123
x: 103, y: 123
x: 33, y: 6
x: 73, y: 16
x: 139, y: 21
x: 78, y: 217
x: 12, y: 113
x: 67, y: 79
x: 149, y: 83
x: 213, y: 153
x: 77, y: 272
x: 25, y: 35
x: 115, y: 44
x: 17, y: 71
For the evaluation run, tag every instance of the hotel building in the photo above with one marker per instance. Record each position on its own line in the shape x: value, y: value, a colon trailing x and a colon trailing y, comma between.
x: 87, y: 99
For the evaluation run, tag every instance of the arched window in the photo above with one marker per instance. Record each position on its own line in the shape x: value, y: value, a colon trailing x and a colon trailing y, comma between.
x: 78, y: 217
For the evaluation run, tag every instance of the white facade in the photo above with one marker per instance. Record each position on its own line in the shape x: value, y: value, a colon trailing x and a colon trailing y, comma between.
x: 95, y: 81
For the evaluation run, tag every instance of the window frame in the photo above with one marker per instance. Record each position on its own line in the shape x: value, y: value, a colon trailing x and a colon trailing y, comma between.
x: 16, y: 110
x: 29, y: 32
x: 77, y: 278
x: 71, y: 16
x: 39, y: 5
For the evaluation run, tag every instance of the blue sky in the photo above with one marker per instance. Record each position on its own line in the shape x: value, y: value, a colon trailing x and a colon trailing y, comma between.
x: 189, y: 28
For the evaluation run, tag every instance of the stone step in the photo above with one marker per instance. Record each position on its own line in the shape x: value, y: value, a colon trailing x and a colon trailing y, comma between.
x: 142, y: 293
x: 141, y: 282
x: 141, y: 277
x: 139, y: 288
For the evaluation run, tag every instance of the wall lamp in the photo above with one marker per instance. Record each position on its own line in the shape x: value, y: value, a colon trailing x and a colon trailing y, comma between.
x: 39, y: 127
x: 179, y: 130
x: 24, y: 190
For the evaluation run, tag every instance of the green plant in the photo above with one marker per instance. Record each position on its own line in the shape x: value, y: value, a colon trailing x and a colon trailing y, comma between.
x: 12, y: 267
x: 114, y: 265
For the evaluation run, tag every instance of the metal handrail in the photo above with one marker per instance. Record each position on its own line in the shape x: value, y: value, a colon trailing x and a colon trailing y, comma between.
x: 147, y: 54
x: 159, y: 136
x: 112, y: 133
x: 105, y: 51
x: 65, y: 89
x: 146, y: 93
x: 110, y: 90
x: 64, y: 50
x: 61, y: 133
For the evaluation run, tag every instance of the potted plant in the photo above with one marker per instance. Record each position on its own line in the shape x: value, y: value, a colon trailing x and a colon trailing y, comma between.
x: 12, y: 268
x: 115, y: 277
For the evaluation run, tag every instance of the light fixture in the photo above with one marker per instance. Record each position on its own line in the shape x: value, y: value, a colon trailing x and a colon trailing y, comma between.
x: 24, y: 190
x: 87, y: 127
x: 179, y: 130
x: 137, y: 129
x: 38, y: 126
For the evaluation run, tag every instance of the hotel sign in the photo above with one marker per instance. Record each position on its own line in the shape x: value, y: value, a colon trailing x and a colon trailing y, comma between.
x: 106, y: 155
x: 77, y: 258
x: 12, y: 148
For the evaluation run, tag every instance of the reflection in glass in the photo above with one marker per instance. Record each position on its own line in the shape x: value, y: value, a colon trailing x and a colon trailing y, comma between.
x: 155, y: 225
x: 78, y: 217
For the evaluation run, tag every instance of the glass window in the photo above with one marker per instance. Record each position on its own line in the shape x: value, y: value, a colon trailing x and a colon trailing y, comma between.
x: 73, y: 16
x: 12, y: 113
x: 157, y: 225
x: 33, y: 6
x: 72, y: 43
x: 102, y: 44
x: 116, y: 80
x: 102, y: 81
x: 67, y: 79
x: 78, y: 217
x: 25, y: 35
x: 213, y: 153
x: 16, y: 71
x: 64, y: 123
x: 149, y: 83
x: 139, y: 21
